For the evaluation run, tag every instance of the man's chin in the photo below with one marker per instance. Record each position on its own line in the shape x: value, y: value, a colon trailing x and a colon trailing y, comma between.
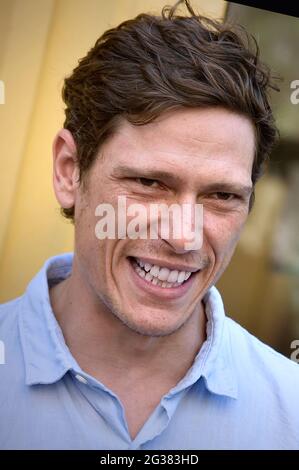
x: 148, y: 327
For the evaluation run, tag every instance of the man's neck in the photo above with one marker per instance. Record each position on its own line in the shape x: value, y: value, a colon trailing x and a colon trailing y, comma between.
x: 103, y: 346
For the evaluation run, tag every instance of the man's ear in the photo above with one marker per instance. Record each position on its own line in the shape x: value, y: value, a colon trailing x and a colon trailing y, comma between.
x: 65, y: 168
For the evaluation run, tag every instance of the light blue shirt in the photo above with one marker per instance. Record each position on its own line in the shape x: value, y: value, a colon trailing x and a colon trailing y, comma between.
x: 238, y: 394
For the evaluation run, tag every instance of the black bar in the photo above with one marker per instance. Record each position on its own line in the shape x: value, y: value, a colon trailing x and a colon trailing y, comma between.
x: 140, y: 458
x: 286, y: 7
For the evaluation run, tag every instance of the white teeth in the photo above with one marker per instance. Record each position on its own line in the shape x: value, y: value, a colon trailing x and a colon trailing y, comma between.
x: 155, y: 270
x: 148, y: 277
x: 181, y: 277
x: 163, y: 274
x: 173, y: 276
x: 140, y: 272
x: 154, y: 280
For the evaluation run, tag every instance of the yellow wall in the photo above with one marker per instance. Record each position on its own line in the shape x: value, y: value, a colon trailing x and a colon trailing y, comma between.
x: 21, y: 56
x: 40, y: 43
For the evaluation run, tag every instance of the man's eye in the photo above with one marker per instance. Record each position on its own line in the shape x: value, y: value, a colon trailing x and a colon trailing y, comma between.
x: 225, y: 196
x: 148, y: 182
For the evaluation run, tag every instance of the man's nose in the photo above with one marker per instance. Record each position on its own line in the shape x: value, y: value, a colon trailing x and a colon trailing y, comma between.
x: 185, y: 228
x: 178, y: 245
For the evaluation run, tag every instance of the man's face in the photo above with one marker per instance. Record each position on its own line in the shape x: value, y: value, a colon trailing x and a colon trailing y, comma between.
x: 201, y: 156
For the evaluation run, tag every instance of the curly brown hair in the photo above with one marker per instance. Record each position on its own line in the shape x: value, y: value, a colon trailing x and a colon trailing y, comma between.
x: 151, y: 64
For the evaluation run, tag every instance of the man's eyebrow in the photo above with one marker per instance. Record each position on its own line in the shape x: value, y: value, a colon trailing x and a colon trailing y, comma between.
x: 123, y: 171
x: 228, y: 187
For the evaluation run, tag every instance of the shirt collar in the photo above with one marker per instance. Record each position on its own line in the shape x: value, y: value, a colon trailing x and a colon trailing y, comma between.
x: 47, y: 357
x: 214, y: 362
x: 218, y: 366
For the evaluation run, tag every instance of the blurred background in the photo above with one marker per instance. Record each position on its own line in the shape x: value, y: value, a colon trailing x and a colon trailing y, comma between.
x: 261, y: 286
x: 40, y: 43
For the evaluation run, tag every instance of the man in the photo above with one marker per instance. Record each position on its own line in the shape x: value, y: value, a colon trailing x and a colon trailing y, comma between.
x: 125, y: 344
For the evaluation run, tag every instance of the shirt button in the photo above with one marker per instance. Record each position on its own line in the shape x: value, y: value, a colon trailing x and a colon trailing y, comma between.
x: 81, y: 379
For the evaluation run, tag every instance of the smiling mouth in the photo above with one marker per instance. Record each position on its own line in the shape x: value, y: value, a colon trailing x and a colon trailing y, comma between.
x: 160, y: 275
